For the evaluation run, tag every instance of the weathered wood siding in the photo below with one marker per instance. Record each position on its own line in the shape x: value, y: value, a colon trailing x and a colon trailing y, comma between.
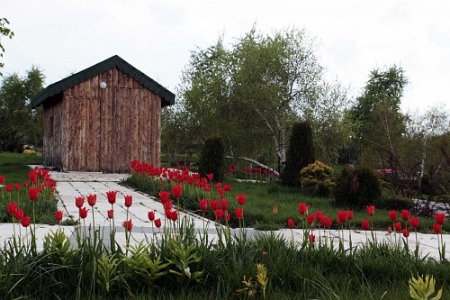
x: 104, y: 129
x: 52, y: 123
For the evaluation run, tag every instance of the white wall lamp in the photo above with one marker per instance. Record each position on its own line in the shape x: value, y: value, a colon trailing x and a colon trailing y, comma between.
x: 103, y: 85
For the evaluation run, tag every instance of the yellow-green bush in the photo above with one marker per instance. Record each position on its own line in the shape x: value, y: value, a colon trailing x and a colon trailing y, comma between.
x: 317, y: 179
x: 29, y: 152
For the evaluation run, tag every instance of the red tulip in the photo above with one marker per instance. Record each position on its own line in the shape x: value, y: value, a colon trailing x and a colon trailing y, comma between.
x: 319, y: 215
x: 111, y: 195
x: 151, y: 215
x: 349, y: 215
x: 2, y: 178
x: 392, y: 215
x: 168, y: 205
x: 164, y: 196
x: 440, y: 218
x: 213, y: 204
x: 58, y: 215
x: 241, y: 198
x: 158, y: 223
x: 310, y: 219
x: 18, y: 214
x: 92, y: 199
x: 406, y: 232
x: 25, y: 221
x: 224, y: 204
x: 110, y: 213
x: 405, y: 214
x: 303, y: 209
x: 128, y: 225
x: 398, y: 226
x: 370, y: 210
x: 218, y: 185
x: 207, y: 188
x: 239, y: 212
x: 414, y: 222
x: 341, y: 216
x: 326, y: 221
x: 83, y: 212
x: 128, y: 200
x: 79, y: 202
x: 33, y: 193
x: 176, y: 191
x: 12, y: 208
x: 210, y: 176
x: 25, y: 183
x: 174, y: 215
x: 226, y: 187
x: 312, y: 238
x: 203, y: 203
x: 437, y: 228
x: 291, y: 223
x: 17, y: 186
x: 365, y: 224
x: 219, y: 214
x: 8, y: 187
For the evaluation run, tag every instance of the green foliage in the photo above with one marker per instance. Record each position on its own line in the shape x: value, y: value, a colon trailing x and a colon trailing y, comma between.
x: 20, y: 124
x: 212, y: 158
x: 182, y: 258
x: 251, y: 91
x: 300, y: 153
x: 317, y: 179
x: 6, y: 32
x: 357, y: 188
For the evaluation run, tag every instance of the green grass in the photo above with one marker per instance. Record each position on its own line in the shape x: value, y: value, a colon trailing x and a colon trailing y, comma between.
x: 15, y: 165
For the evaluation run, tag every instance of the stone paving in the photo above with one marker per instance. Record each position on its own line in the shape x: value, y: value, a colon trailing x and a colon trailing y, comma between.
x: 74, y: 184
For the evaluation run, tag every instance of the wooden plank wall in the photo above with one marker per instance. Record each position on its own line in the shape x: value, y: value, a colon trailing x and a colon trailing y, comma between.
x: 52, y: 139
x: 104, y: 129
x: 130, y: 123
x: 81, y: 129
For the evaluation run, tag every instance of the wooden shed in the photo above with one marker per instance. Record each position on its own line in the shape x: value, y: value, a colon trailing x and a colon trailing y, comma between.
x: 101, y: 118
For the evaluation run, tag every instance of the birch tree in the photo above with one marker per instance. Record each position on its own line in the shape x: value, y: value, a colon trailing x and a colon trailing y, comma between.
x: 422, y: 127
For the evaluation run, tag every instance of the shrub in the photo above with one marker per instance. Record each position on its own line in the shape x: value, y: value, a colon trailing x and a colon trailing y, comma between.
x: 317, y: 179
x: 357, y: 188
x: 300, y: 153
x: 212, y: 158
x: 392, y: 202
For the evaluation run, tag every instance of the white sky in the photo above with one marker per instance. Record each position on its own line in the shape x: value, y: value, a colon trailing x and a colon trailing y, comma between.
x: 156, y: 37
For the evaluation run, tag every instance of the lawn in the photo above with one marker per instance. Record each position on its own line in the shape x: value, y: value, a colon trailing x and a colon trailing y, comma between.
x: 15, y: 166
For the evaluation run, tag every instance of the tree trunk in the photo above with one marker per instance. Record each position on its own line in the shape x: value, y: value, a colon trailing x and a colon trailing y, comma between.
x: 256, y: 163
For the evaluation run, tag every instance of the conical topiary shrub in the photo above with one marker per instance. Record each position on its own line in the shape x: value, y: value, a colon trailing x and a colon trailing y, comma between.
x: 300, y: 154
x: 212, y: 158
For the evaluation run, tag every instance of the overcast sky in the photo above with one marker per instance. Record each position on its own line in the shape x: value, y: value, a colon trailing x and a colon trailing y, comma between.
x: 156, y: 37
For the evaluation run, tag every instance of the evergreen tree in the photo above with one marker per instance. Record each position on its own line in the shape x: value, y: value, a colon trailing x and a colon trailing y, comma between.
x: 212, y: 158
x: 300, y: 153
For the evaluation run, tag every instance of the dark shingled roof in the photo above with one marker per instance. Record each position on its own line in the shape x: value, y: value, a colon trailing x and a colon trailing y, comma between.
x: 168, y: 98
